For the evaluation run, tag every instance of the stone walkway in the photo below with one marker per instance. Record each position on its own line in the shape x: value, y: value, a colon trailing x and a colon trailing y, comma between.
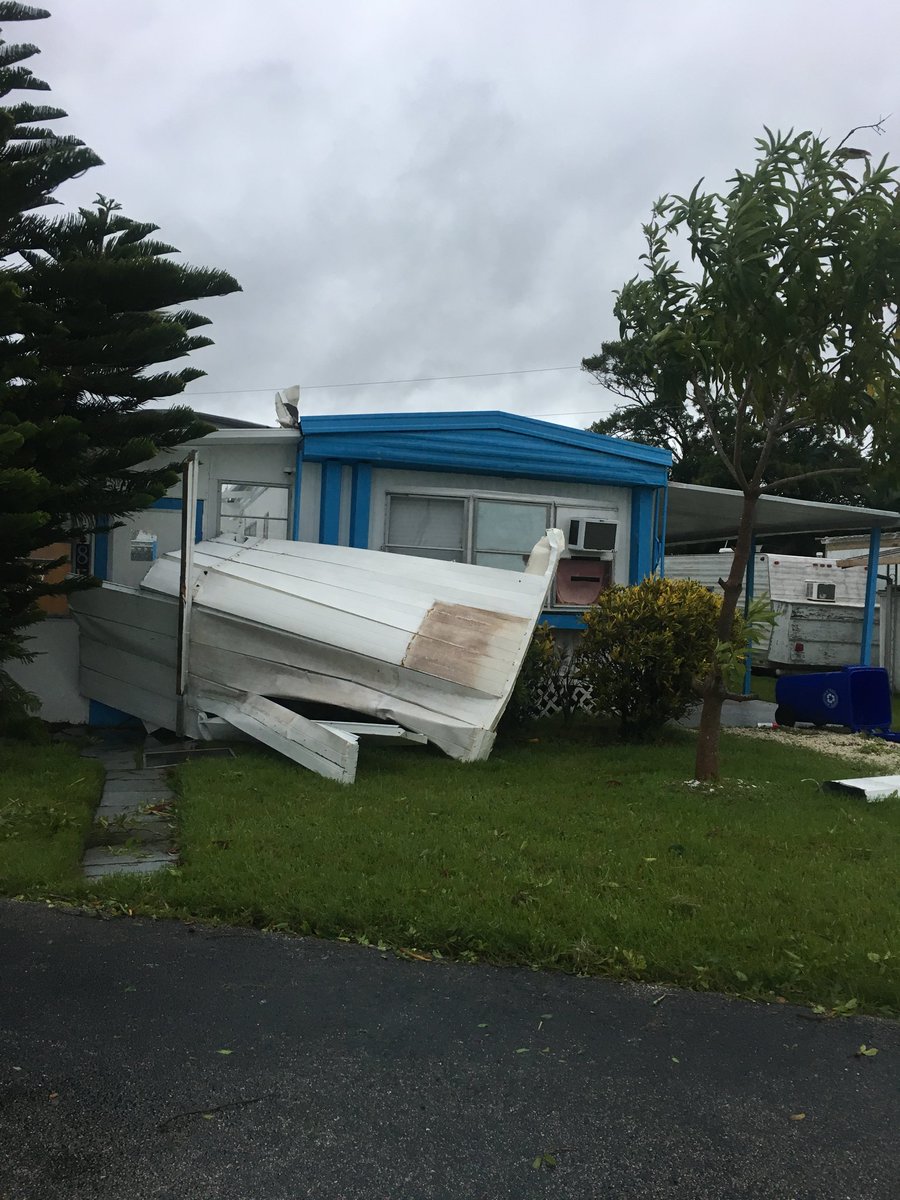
x: 132, y: 831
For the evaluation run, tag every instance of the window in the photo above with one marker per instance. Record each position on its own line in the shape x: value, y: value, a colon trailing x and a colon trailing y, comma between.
x: 492, y: 533
x: 253, y: 510
x: 502, y: 533
x: 430, y: 526
x: 506, y: 531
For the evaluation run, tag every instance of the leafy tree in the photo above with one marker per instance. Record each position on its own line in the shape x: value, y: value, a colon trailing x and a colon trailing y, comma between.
x: 673, y: 425
x: 89, y: 304
x: 785, y: 323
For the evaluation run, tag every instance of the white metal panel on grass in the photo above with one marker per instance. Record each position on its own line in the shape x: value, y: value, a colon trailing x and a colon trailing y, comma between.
x: 329, y: 752
x: 876, y: 787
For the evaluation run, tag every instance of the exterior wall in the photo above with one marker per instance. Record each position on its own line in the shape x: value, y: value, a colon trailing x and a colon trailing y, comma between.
x: 232, y: 460
x: 164, y: 522
x: 708, y: 569
x: 781, y: 576
x: 53, y: 676
x: 829, y: 634
x: 788, y: 575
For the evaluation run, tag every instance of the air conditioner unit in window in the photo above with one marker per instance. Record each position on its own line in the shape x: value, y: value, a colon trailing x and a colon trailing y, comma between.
x: 820, y: 591
x: 589, y: 535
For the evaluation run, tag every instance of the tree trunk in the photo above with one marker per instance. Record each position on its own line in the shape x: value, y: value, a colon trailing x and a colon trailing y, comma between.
x: 706, y: 766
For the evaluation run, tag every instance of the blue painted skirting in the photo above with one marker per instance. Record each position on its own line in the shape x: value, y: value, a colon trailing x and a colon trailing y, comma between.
x: 102, y: 716
x: 561, y: 620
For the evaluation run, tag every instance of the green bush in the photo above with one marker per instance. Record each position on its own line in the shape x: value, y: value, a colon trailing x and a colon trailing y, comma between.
x: 644, y: 647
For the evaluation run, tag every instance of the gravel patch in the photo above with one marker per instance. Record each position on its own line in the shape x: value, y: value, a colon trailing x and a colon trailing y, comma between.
x: 877, y: 755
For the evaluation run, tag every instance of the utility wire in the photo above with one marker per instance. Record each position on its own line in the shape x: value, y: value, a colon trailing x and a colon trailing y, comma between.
x: 309, y: 387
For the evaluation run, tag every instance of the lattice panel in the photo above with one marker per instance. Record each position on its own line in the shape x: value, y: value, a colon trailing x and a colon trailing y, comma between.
x: 547, y: 702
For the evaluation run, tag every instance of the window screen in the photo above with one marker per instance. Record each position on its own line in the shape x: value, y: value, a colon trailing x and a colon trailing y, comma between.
x: 505, y: 532
x: 253, y: 510
x: 429, y: 526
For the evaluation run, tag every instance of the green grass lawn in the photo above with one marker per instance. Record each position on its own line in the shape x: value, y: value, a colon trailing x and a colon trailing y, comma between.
x: 560, y: 851
x: 47, y: 800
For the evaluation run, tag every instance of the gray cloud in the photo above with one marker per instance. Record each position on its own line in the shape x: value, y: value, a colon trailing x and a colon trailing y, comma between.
x: 409, y: 189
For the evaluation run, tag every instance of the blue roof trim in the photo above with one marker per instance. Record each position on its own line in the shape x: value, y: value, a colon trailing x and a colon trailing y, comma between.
x: 494, y: 443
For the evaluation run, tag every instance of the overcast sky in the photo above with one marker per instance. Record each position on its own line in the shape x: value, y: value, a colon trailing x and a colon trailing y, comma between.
x: 417, y: 188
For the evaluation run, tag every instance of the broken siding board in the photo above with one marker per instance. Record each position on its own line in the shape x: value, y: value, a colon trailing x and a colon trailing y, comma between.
x: 404, y: 614
x: 464, y: 739
x: 394, y: 578
x: 476, y: 630
x: 444, y: 662
x: 876, y: 787
x: 330, y: 752
x: 364, y: 587
x: 260, y: 657
x: 371, y: 637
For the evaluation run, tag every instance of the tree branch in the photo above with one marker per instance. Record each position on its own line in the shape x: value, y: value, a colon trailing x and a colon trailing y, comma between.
x: 800, y: 423
x: 769, y: 445
x: 878, y: 126
x: 702, y: 402
x: 739, y: 433
x: 811, y: 475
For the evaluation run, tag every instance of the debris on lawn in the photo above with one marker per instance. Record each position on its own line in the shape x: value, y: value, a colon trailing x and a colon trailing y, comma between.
x: 872, y: 788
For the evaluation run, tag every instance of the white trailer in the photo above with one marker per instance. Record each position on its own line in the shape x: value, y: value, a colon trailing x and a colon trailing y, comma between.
x: 818, y: 606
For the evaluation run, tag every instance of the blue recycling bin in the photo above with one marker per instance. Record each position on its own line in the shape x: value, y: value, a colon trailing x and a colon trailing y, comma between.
x: 856, y: 696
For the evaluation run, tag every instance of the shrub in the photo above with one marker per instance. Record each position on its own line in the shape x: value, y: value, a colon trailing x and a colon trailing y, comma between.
x: 644, y: 648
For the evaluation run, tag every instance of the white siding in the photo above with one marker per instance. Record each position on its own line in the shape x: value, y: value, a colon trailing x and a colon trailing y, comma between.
x: 53, y: 676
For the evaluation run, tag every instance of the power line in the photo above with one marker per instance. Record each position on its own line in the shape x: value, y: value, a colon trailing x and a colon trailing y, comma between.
x: 309, y: 387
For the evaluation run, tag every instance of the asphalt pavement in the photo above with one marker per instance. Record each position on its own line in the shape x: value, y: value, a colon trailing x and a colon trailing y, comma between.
x: 155, y: 1059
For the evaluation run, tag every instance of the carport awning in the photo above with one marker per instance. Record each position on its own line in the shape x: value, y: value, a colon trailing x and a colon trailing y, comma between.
x: 706, y: 514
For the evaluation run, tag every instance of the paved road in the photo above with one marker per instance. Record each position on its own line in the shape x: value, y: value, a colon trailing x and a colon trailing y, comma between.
x: 354, y: 1075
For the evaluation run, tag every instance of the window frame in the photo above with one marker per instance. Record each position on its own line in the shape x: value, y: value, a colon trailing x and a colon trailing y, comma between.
x: 266, y: 487
x: 397, y: 548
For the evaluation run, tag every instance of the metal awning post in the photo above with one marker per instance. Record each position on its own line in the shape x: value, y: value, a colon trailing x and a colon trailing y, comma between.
x: 865, y: 649
x: 185, y: 589
x: 663, y: 514
x: 748, y: 596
